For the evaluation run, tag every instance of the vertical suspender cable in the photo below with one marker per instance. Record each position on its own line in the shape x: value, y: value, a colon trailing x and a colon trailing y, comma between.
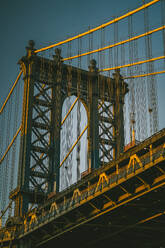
x: 131, y: 82
x: 163, y: 23
x: 151, y: 80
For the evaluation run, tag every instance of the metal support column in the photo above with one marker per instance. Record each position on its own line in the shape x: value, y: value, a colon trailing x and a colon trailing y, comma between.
x: 22, y: 201
x: 40, y: 141
x: 93, y: 131
x: 57, y: 116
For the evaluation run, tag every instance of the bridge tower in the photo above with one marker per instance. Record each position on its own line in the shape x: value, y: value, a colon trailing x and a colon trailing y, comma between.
x: 46, y: 86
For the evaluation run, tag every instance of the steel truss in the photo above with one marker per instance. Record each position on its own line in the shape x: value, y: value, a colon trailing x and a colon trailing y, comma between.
x: 47, y: 83
x: 132, y: 186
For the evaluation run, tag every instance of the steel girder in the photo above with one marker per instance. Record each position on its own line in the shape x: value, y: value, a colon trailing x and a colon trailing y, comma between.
x: 126, y: 194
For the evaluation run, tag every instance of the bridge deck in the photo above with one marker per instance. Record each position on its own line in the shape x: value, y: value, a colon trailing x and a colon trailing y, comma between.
x: 120, y: 202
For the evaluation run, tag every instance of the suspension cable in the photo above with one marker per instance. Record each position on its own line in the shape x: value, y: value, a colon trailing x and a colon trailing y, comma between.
x: 145, y: 75
x: 99, y: 27
x: 116, y: 44
x: 71, y: 108
x: 11, y: 91
x: 132, y: 64
x: 10, y: 145
x: 73, y: 146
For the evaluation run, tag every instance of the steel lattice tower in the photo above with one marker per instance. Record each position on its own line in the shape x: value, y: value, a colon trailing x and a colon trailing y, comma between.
x: 46, y: 86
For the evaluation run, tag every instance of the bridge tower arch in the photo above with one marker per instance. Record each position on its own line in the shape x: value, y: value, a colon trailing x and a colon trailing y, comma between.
x: 47, y: 83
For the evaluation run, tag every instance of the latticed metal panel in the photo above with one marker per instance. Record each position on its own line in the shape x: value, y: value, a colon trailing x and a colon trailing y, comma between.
x: 40, y: 141
x: 111, y: 127
x: 106, y: 130
x: 41, y: 132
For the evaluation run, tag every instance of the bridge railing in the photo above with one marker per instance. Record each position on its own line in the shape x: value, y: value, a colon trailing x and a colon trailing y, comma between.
x: 136, y: 165
x: 105, y: 181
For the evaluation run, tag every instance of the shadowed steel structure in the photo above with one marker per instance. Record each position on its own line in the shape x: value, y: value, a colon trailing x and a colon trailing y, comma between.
x: 119, y: 198
x: 46, y: 87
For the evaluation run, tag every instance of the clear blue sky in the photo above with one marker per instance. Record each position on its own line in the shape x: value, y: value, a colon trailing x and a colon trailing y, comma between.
x: 47, y: 21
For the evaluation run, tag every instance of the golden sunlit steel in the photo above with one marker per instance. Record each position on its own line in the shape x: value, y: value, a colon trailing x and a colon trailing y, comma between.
x: 71, y: 108
x: 116, y: 44
x: 133, y: 64
x: 74, y: 145
x: 27, y: 99
x: 145, y: 75
x: 11, y: 91
x: 10, y: 145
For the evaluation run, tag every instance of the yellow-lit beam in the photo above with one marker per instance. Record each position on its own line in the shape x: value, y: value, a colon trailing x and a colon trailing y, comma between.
x: 73, y: 146
x: 116, y: 44
x: 11, y: 91
x: 10, y: 145
x: 129, y: 200
x: 101, y: 213
x: 151, y: 218
x: 27, y: 100
x: 145, y: 75
x: 99, y: 27
x: 72, y: 106
x: 133, y: 64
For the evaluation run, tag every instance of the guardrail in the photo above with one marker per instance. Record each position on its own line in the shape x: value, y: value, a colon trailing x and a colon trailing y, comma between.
x: 105, y: 182
x: 136, y: 165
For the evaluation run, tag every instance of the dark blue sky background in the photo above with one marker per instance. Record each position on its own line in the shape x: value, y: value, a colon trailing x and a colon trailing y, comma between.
x: 49, y: 21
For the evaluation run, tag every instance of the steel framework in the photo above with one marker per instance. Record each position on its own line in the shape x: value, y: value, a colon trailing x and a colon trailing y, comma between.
x: 132, y: 185
x: 46, y: 87
x: 122, y: 189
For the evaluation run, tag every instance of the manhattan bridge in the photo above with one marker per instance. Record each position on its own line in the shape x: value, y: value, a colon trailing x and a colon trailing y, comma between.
x: 81, y: 154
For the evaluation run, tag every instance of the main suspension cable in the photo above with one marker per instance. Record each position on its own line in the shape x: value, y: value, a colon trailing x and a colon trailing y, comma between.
x: 116, y: 44
x: 99, y: 27
x: 145, y: 75
x: 133, y: 64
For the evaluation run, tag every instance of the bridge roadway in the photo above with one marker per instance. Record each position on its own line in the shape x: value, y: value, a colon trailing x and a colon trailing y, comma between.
x: 120, y: 204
